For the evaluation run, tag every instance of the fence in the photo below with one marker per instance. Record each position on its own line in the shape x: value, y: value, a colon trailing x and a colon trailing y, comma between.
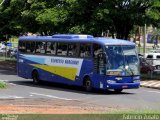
x: 7, y: 54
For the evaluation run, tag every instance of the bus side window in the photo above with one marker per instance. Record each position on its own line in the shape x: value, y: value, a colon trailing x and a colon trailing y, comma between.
x: 73, y: 49
x: 85, y: 50
x: 51, y: 48
x: 22, y: 46
x: 37, y: 47
x: 28, y: 47
x: 62, y: 49
x: 32, y: 47
x: 48, y: 48
x: 40, y: 47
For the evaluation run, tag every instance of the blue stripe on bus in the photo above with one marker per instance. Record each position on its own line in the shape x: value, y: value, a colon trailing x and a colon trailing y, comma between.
x: 34, y: 59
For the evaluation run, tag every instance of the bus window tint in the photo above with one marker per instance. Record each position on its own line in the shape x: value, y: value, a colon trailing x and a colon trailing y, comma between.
x: 48, y: 48
x: 22, y: 46
x: 40, y: 47
x: 62, y: 49
x: 32, y: 47
x: 85, y: 50
x: 73, y: 50
x: 51, y: 48
x: 28, y: 47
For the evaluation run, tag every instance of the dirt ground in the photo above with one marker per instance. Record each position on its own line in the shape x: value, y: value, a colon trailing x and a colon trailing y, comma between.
x: 14, y: 109
x: 48, y: 106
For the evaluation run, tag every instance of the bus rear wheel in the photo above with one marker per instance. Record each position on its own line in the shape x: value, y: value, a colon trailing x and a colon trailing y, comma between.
x: 118, y: 90
x: 88, y: 84
x: 35, y: 77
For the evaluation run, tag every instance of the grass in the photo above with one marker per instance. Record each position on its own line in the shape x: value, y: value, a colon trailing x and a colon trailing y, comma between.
x: 154, y: 76
x: 122, y: 115
x: 140, y: 49
x: 2, y: 58
x: 2, y: 84
x: 140, y: 111
x: 111, y: 116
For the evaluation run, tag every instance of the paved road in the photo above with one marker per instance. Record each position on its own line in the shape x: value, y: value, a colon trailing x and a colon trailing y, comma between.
x: 143, y: 98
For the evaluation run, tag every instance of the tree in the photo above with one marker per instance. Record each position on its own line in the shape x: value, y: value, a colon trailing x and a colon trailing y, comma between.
x: 77, y: 16
x: 117, y: 16
x: 153, y: 14
x: 43, y: 17
x: 88, y: 16
x: 9, y: 17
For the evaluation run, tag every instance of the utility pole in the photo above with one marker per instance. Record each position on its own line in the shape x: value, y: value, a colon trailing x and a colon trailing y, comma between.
x: 139, y: 39
x: 144, y: 39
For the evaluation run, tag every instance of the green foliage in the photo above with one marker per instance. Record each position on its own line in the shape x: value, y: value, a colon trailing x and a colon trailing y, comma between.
x: 153, y: 13
x: 2, y: 84
x: 77, y: 16
x: 76, y: 29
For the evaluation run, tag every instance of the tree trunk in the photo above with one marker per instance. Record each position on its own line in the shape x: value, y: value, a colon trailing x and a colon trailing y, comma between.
x: 123, y: 29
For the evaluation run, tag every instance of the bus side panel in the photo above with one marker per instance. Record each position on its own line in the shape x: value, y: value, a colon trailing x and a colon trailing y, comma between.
x: 86, y: 70
x: 47, y: 68
x: 97, y: 80
x: 22, y: 67
x: 51, y: 77
x: 25, y: 68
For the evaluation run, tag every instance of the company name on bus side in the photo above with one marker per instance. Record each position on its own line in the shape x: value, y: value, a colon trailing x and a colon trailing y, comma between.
x: 61, y: 61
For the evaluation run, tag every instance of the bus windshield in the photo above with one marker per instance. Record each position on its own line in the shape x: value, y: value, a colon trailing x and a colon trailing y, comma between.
x: 122, y: 60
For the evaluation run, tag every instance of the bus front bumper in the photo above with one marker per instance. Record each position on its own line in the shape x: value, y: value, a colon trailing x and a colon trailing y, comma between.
x: 121, y: 86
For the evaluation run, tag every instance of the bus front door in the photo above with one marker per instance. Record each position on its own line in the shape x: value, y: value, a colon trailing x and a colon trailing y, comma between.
x: 99, y: 59
x: 99, y: 64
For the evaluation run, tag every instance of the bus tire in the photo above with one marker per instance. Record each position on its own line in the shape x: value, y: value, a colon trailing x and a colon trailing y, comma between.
x: 118, y: 90
x: 87, y: 84
x: 35, y: 77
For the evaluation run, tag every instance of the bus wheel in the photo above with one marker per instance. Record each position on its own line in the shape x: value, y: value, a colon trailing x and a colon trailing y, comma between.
x: 118, y: 90
x: 87, y: 84
x: 35, y: 77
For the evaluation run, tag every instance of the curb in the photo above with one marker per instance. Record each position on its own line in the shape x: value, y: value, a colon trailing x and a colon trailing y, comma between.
x: 151, y: 84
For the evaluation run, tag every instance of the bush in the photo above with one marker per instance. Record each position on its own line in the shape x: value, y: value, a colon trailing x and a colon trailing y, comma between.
x: 2, y: 84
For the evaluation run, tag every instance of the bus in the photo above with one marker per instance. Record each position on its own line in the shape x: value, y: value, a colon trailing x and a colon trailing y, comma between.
x: 79, y: 60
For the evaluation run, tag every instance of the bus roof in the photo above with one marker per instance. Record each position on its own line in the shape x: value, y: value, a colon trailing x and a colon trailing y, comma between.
x: 77, y: 38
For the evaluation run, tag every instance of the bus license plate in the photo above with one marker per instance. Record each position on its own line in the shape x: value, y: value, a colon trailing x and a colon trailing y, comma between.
x: 125, y: 86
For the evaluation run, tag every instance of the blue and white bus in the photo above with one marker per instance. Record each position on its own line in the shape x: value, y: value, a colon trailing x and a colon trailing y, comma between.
x: 81, y: 60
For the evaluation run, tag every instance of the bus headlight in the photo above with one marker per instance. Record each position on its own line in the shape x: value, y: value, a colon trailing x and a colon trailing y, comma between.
x: 136, y: 81
x: 111, y: 81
